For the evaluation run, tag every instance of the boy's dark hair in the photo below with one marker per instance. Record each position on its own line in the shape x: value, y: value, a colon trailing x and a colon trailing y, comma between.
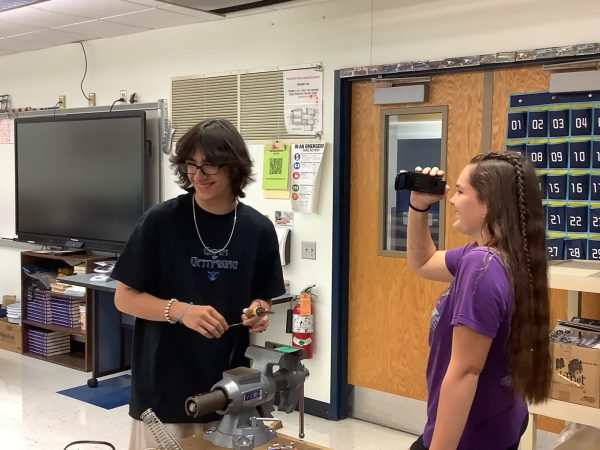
x: 221, y: 144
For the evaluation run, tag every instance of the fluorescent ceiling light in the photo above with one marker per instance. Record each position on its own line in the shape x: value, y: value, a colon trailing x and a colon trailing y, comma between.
x: 6, y: 5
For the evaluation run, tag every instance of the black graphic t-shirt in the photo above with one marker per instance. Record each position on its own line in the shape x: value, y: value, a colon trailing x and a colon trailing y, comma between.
x: 165, y: 258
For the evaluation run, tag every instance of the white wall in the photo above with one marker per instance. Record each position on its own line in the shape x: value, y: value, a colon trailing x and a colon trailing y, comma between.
x: 338, y: 33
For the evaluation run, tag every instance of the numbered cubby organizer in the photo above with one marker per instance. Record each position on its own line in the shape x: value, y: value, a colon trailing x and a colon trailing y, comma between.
x: 559, y: 133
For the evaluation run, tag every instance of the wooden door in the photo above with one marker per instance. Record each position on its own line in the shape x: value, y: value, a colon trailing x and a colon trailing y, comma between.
x: 389, y: 306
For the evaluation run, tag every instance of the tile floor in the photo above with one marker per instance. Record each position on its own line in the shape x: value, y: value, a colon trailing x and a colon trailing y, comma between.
x: 33, y: 416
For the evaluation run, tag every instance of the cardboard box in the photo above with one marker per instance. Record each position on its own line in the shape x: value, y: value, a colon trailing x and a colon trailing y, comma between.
x: 585, y: 439
x: 10, y: 336
x: 8, y: 300
x: 576, y: 377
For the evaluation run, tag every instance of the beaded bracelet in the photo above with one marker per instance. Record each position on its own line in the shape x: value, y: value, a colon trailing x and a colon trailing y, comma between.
x: 180, y: 318
x: 167, y: 310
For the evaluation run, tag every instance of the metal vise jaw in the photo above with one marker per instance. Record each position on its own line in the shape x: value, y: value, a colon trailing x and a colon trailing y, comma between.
x: 246, y: 395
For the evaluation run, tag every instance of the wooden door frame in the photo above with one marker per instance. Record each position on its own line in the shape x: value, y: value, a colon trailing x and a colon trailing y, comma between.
x: 339, y: 387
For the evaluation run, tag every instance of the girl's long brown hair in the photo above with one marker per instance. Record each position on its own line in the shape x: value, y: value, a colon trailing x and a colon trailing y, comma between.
x: 509, y: 187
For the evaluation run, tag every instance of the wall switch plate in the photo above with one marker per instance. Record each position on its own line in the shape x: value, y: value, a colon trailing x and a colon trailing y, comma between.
x: 123, y: 94
x: 92, y: 99
x: 309, y: 250
x: 62, y: 101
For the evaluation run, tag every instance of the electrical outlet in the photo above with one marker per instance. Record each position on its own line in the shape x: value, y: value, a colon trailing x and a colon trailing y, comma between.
x: 309, y: 250
x: 62, y: 101
x: 92, y: 99
x: 123, y: 94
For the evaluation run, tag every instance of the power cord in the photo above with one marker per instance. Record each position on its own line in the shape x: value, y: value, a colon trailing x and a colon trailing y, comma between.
x: 122, y: 100
x: 108, y: 444
x: 85, y: 72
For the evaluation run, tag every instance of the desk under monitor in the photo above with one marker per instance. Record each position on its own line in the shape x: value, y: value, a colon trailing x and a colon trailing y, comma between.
x: 111, y: 329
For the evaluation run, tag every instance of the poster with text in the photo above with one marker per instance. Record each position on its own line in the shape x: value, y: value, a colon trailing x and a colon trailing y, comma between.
x: 306, y: 165
x: 302, y: 107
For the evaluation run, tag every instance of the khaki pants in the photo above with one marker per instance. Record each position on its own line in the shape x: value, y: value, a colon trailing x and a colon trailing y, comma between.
x: 142, y: 439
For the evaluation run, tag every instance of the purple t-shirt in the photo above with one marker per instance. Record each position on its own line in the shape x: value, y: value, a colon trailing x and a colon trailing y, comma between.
x: 480, y: 297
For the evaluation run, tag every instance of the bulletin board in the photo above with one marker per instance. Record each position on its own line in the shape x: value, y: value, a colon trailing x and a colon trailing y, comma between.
x: 560, y: 135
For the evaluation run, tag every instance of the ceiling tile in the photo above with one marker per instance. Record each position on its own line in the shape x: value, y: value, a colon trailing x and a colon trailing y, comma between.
x: 191, y: 12
x: 93, y: 9
x: 153, y: 18
x: 102, y: 28
x: 38, y: 18
x: 20, y: 45
x: 55, y: 37
x: 6, y: 52
x: 9, y: 28
x: 152, y: 3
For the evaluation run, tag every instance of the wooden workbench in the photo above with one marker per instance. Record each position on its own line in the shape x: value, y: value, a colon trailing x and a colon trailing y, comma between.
x: 197, y: 442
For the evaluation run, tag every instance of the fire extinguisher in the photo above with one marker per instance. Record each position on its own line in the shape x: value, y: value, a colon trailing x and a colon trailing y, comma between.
x: 303, y: 323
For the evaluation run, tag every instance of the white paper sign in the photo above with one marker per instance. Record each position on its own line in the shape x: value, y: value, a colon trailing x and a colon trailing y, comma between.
x: 302, y: 107
x: 306, y: 164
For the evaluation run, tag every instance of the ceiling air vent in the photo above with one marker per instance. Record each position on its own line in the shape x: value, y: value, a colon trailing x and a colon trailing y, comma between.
x: 224, y: 7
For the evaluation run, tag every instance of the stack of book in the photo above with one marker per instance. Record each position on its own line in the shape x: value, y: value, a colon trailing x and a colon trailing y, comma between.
x: 38, y: 306
x: 65, y: 310
x: 48, y: 343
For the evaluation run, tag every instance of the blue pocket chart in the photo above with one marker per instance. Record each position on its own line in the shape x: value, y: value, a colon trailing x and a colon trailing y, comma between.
x: 555, y: 218
x: 517, y: 125
x: 556, y: 186
x: 519, y: 148
x: 556, y: 248
x: 596, y: 154
x: 579, y: 154
x: 593, y: 249
x: 577, y: 219
x: 537, y: 124
x: 536, y: 155
x: 594, y: 218
x: 595, y: 187
x: 558, y: 155
x: 543, y: 185
x: 575, y: 248
x: 558, y: 122
x: 579, y: 187
x: 581, y: 122
x: 558, y: 133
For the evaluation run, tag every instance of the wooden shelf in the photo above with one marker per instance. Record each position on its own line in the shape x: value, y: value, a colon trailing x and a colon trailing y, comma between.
x: 48, y: 326
x: 77, y: 257
x: 574, y: 276
x: 74, y: 360
x: 80, y: 357
x: 570, y: 412
x: 583, y: 276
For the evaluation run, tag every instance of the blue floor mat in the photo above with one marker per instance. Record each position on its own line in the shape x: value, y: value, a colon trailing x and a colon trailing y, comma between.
x: 110, y: 393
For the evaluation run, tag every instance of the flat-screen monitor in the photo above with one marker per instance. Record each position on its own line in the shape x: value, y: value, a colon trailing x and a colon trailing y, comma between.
x: 80, y: 178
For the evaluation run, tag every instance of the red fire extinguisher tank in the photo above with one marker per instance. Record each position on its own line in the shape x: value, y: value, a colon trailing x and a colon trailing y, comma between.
x: 303, y: 324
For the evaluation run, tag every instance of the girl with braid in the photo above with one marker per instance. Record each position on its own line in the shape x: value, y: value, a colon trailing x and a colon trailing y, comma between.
x: 489, y: 351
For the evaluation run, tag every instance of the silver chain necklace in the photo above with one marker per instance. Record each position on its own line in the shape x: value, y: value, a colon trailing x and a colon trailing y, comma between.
x: 213, y: 252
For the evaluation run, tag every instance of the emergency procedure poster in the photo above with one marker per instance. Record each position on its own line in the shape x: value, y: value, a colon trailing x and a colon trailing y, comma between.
x: 302, y: 107
x: 306, y: 165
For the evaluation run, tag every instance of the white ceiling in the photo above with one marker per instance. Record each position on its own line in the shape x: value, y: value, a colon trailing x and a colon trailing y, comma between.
x: 58, y: 22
